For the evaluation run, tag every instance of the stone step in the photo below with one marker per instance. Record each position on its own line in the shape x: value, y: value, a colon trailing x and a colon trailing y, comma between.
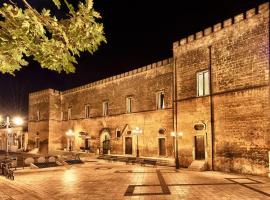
x: 198, y: 165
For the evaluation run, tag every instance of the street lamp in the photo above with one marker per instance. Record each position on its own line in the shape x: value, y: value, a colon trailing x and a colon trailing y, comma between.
x: 70, y: 135
x: 137, y: 131
x: 17, y: 121
x: 173, y: 134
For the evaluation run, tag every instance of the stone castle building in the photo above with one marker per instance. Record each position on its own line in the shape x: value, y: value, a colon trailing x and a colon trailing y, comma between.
x: 215, y: 90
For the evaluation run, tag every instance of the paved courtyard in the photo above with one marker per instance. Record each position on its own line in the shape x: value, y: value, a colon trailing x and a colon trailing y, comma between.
x: 103, y: 180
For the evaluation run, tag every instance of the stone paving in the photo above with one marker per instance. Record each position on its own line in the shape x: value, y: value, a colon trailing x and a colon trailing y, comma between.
x: 102, y: 180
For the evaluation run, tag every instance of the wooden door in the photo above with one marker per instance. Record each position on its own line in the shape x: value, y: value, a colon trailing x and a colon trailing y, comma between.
x: 128, y: 142
x: 106, y: 146
x: 199, y: 147
x: 162, y: 147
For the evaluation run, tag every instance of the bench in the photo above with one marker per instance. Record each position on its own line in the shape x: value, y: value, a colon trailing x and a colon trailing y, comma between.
x: 112, y: 158
x: 122, y: 159
x: 148, y: 162
x: 132, y: 160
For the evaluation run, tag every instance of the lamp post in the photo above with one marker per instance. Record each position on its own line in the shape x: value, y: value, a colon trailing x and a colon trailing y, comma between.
x: 137, y: 131
x: 17, y: 121
x: 70, y: 135
x: 175, y: 136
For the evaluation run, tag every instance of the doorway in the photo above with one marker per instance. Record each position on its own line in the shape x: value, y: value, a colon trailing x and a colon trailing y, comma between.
x: 106, y: 145
x: 86, y: 144
x: 161, y: 146
x: 199, y: 147
x: 128, y: 145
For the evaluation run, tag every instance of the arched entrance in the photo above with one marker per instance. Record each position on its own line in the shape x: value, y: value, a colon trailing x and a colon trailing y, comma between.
x: 105, y: 141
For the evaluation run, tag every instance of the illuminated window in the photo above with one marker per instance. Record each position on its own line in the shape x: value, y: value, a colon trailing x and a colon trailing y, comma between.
x: 87, y: 111
x: 105, y: 108
x: 69, y: 113
x: 203, y: 83
x: 160, y: 100
x: 38, y: 115
x: 128, y: 105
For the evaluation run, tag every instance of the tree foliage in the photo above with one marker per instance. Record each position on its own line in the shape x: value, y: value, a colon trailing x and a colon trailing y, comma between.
x: 52, y: 42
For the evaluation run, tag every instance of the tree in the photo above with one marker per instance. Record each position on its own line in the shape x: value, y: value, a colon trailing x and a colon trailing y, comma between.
x: 54, y: 43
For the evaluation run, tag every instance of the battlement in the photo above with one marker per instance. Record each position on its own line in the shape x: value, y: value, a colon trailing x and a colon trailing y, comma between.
x: 226, y: 23
x: 119, y: 76
x: 42, y: 92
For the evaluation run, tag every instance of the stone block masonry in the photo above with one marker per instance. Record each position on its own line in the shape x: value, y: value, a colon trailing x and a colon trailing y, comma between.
x: 236, y: 111
x: 221, y: 79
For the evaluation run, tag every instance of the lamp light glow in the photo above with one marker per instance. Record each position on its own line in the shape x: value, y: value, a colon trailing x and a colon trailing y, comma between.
x: 18, y: 121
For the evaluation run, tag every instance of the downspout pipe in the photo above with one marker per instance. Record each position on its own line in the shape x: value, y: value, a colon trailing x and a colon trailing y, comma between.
x: 212, y: 116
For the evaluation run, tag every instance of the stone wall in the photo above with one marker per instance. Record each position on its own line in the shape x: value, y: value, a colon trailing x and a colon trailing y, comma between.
x: 236, y: 52
x: 44, y: 102
x: 142, y: 85
x: 235, y: 116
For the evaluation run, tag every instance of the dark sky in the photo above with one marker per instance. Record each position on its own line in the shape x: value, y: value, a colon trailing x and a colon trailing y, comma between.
x: 138, y: 32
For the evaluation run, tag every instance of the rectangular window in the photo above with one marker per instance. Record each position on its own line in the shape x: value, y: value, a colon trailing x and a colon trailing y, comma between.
x: 203, y: 83
x: 128, y: 105
x: 69, y: 113
x: 38, y: 115
x: 160, y: 100
x: 105, y: 108
x: 118, y: 134
x: 62, y: 116
x: 87, y: 111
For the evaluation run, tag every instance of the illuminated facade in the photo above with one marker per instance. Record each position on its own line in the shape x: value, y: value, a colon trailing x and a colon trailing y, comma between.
x: 215, y: 90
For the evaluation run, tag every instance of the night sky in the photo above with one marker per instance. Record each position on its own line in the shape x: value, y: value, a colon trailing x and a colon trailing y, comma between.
x: 138, y: 32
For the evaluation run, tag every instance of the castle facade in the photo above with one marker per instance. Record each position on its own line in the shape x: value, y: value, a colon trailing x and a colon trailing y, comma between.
x: 214, y: 93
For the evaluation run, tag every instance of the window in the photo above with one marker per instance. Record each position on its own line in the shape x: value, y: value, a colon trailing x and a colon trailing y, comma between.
x: 160, y: 100
x: 38, y: 115
x: 69, y: 113
x: 203, y: 83
x: 128, y: 105
x: 87, y: 111
x: 128, y: 132
x: 62, y: 116
x: 118, y: 134
x: 105, y: 108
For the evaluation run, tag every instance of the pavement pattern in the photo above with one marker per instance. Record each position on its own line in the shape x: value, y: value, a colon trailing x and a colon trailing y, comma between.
x: 98, y: 180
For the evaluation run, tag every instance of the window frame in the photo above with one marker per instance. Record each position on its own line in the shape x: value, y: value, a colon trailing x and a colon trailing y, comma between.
x: 105, y: 112
x: 38, y: 115
x: 116, y: 136
x: 87, y: 111
x: 204, y: 83
x: 158, y: 100
x: 129, y: 104
x: 69, y: 113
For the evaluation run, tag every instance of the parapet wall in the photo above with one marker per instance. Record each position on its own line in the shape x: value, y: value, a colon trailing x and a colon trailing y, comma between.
x: 119, y: 76
x: 42, y: 92
x: 219, y: 26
